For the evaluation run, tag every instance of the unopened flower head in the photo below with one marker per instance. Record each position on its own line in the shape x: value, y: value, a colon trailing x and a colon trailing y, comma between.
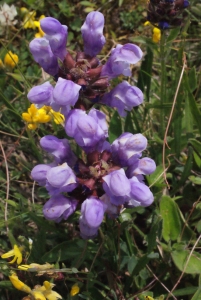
x: 167, y: 13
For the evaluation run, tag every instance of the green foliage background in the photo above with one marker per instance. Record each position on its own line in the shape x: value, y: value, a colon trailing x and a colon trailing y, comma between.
x: 152, y: 251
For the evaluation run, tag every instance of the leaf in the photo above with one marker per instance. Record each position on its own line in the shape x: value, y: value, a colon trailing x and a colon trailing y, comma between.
x: 173, y: 34
x: 195, y: 179
x: 121, y: 2
x: 86, y: 3
x: 196, y: 145
x: 115, y: 129
x: 17, y: 77
x: 192, y: 79
x: 171, y: 227
x: 181, y: 257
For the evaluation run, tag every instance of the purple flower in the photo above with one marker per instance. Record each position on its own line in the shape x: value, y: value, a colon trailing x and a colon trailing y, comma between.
x: 41, y: 94
x: 92, y: 33
x: 144, y: 166
x: 56, y: 34
x: 59, y: 148
x: 120, y: 60
x: 128, y: 147
x: 59, y: 207
x: 92, y: 213
x: 42, y: 53
x: 117, y: 187
x: 60, y: 179
x: 39, y: 173
x: 66, y: 92
x: 124, y: 97
x: 112, y: 210
x: 140, y: 193
x: 89, y: 131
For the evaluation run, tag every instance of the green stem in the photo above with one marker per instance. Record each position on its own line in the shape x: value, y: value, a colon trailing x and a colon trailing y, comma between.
x: 163, y: 81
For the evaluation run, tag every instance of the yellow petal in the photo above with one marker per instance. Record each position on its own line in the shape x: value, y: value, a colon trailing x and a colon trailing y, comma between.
x: 19, y: 285
x: 38, y: 295
x: 8, y: 254
x: 26, y: 117
x: 147, y: 23
x: 11, y: 59
x: 32, y: 126
x: 74, y: 290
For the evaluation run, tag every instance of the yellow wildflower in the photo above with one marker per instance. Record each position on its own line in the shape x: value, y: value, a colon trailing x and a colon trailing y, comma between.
x: 16, y: 252
x: 10, y: 59
x: 74, y: 290
x: 29, y: 18
x: 36, y: 267
x: 19, y: 285
x: 40, y: 33
x: 39, y: 292
x: 35, y: 116
x: 156, y: 36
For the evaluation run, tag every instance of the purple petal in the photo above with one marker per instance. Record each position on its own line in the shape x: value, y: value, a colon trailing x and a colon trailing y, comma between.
x: 39, y: 173
x: 41, y: 94
x: 92, y: 33
x: 66, y: 92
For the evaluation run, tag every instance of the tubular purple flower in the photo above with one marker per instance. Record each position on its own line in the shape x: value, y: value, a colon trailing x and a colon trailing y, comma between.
x: 120, y: 60
x: 85, y: 129
x: 92, y: 212
x: 39, y: 173
x: 56, y: 34
x: 60, y: 179
x: 112, y: 210
x: 124, y: 97
x: 42, y: 53
x: 140, y: 192
x: 144, y: 166
x: 87, y: 232
x: 92, y: 33
x: 59, y: 207
x: 117, y: 187
x: 41, y: 94
x: 128, y: 147
x: 59, y: 148
x: 66, y: 92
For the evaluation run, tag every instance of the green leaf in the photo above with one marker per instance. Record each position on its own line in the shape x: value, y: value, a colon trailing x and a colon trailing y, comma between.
x: 125, y: 217
x: 196, y: 145
x: 181, y: 257
x: 192, y: 79
x: 86, y: 3
x: 115, y: 129
x: 121, y: 2
x: 195, y: 179
x: 17, y: 77
x: 171, y: 227
x: 173, y: 34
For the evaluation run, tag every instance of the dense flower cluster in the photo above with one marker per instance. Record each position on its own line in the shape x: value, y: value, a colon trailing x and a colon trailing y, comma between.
x: 167, y: 13
x: 112, y: 175
x: 7, y: 15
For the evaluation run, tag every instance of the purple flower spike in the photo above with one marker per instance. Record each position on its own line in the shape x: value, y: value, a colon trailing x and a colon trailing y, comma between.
x: 124, y: 97
x: 56, y: 34
x: 60, y: 179
x: 140, y: 193
x: 117, y: 187
x: 89, y: 131
x: 39, y: 173
x: 59, y: 148
x: 92, y: 33
x: 120, y: 60
x: 41, y: 94
x: 144, y: 166
x: 42, y: 53
x: 59, y: 207
x: 128, y: 147
x: 66, y: 92
x: 87, y: 232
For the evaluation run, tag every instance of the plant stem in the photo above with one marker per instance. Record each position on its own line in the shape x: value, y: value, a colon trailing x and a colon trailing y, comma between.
x: 163, y: 81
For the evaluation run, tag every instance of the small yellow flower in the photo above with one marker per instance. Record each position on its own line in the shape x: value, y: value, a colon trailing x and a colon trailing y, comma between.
x: 36, y: 267
x: 29, y: 18
x: 10, y: 59
x: 40, y: 33
x: 19, y: 285
x: 16, y: 252
x: 74, y: 290
x: 156, y: 35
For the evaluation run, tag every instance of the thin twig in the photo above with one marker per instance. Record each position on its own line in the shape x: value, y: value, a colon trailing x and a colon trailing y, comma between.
x: 170, y: 292
x: 7, y: 188
x: 170, y: 118
x: 180, y: 277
